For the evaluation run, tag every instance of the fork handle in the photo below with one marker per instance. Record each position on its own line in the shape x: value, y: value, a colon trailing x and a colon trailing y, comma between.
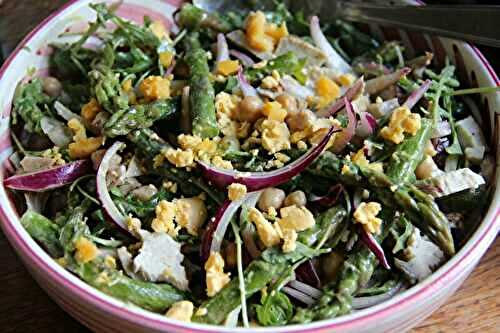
x: 478, y: 24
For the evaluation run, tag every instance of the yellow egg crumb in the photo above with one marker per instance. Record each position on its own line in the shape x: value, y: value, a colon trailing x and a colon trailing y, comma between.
x: 133, y: 225
x: 267, y: 233
x: 256, y: 33
x: 90, y: 110
x: 366, y: 214
x: 154, y: 88
x: 274, y: 111
x: 166, y: 58
x: 182, y: 311
x: 402, y: 121
x: 269, y: 82
x: 164, y: 220
x: 236, y: 191
x: 227, y: 67
x: 275, y: 136
x: 85, y: 250
x: 221, y: 163
x: 215, y: 277
x: 327, y: 90
x: 201, y: 312
x: 180, y: 158
x: 295, y: 218
x: 346, y: 79
x: 85, y: 147
x: 110, y: 261
x: 190, y: 213
x: 289, y: 240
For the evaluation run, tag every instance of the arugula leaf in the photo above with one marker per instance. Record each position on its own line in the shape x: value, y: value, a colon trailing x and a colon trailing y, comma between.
x: 31, y: 104
x: 276, y: 309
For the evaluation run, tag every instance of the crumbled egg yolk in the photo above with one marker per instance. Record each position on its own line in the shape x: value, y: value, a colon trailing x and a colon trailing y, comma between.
x: 402, y: 121
x: 180, y: 158
x: 85, y: 250
x: 267, y: 233
x: 182, y: 311
x: 90, y: 110
x: 221, y: 163
x: 166, y: 58
x: 346, y: 79
x: 295, y: 218
x: 360, y: 159
x: 110, y: 261
x: 127, y: 87
x: 327, y: 90
x: 155, y: 87
x: 274, y: 111
x: 226, y: 103
x: 275, y: 136
x: 188, y: 213
x: 366, y: 214
x: 429, y: 149
x: 164, y: 220
x: 215, y: 276
x: 236, y: 191
x: 269, y: 82
x: 227, y: 67
x: 133, y: 225
x: 159, y: 30
x: 82, y: 147
x: 261, y: 35
x: 201, y: 312
x: 289, y: 240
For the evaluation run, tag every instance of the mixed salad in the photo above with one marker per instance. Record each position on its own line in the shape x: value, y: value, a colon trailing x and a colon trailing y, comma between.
x: 248, y: 168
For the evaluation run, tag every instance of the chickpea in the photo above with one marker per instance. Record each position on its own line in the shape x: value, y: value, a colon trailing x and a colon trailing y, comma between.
x: 271, y: 197
x: 297, y: 198
x: 249, y: 109
x: 230, y: 254
x: 52, y: 86
x: 288, y: 102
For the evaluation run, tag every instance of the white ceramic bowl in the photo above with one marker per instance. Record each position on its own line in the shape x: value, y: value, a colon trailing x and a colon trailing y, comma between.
x: 102, y: 313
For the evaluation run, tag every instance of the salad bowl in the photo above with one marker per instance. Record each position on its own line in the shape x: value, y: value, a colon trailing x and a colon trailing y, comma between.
x: 102, y: 313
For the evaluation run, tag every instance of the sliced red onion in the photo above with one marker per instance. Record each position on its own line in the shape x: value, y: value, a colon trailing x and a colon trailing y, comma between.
x: 245, y: 59
x: 259, y: 180
x: 36, y: 201
x: 133, y: 168
x: 246, y: 87
x: 294, y: 88
x: 382, y: 82
x: 65, y: 113
x: 170, y: 68
x: 443, y: 128
x: 334, y: 60
x: 248, y: 232
x: 350, y: 94
x: 366, y: 125
x: 329, y: 199
x: 306, y: 273
x: 417, y: 94
x: 375, y: 247
x: 347, y: 133
x: 305, y: 288
x: 222, y: 49
x: 214, y: 235
x: 49, y: 179
x: 114, y: 214
x: 368, y: 301
x: 306, y: 299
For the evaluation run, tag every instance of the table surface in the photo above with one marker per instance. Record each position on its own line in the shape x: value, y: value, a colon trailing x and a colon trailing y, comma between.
x: 24, y: 306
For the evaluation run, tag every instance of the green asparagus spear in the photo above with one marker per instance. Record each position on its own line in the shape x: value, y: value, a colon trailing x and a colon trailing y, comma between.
x: 107, y: 89
x: 139, y: 116
x: 193, y: 18
x: 327, y: 224
x: 287, y: 63
x: 150, y: 296
x: 419, y: 207
x: 409, y: 154
x: 201, y: 93
x: 43, y: 231
x: 257, y: 275
x: 148, y: 143
x: 356, y: 271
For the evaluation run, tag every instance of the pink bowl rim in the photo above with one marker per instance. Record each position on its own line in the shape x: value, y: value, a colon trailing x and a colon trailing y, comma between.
x: 448, y: 273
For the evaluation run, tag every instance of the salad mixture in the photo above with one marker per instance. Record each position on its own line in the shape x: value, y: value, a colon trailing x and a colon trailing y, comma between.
x: 246, y: 169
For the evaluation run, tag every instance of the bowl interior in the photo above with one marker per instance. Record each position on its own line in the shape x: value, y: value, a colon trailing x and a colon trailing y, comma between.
x: 31, y: 58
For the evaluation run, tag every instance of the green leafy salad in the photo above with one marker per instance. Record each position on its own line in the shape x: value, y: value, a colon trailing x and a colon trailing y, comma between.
x: 248, y: 168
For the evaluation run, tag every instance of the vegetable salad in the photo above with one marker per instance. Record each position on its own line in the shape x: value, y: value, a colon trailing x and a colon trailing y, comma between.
x: 248, y: 168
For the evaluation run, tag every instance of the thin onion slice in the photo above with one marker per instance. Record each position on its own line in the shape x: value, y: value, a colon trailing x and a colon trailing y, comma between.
x: 366, y: 125
x: 217, y: 227
x: 374, y: 247
x: 347, y: 133
x: 305, y: 288
x: 327, y: 200
x: 248, y: 231
x: 368, y: 301
x: 222, y: 48
x: 246, y: 87
x: 306, y: 299
x: 114, y: 214
x: 416, y: 95
x: 294, y: 88
x: 259, y: 180
x: 382, y: 82
x: 351, y: 93
x: 245, y: 59
x: 49, y: 179
x: 334, y: 60
x: 306, y: 273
